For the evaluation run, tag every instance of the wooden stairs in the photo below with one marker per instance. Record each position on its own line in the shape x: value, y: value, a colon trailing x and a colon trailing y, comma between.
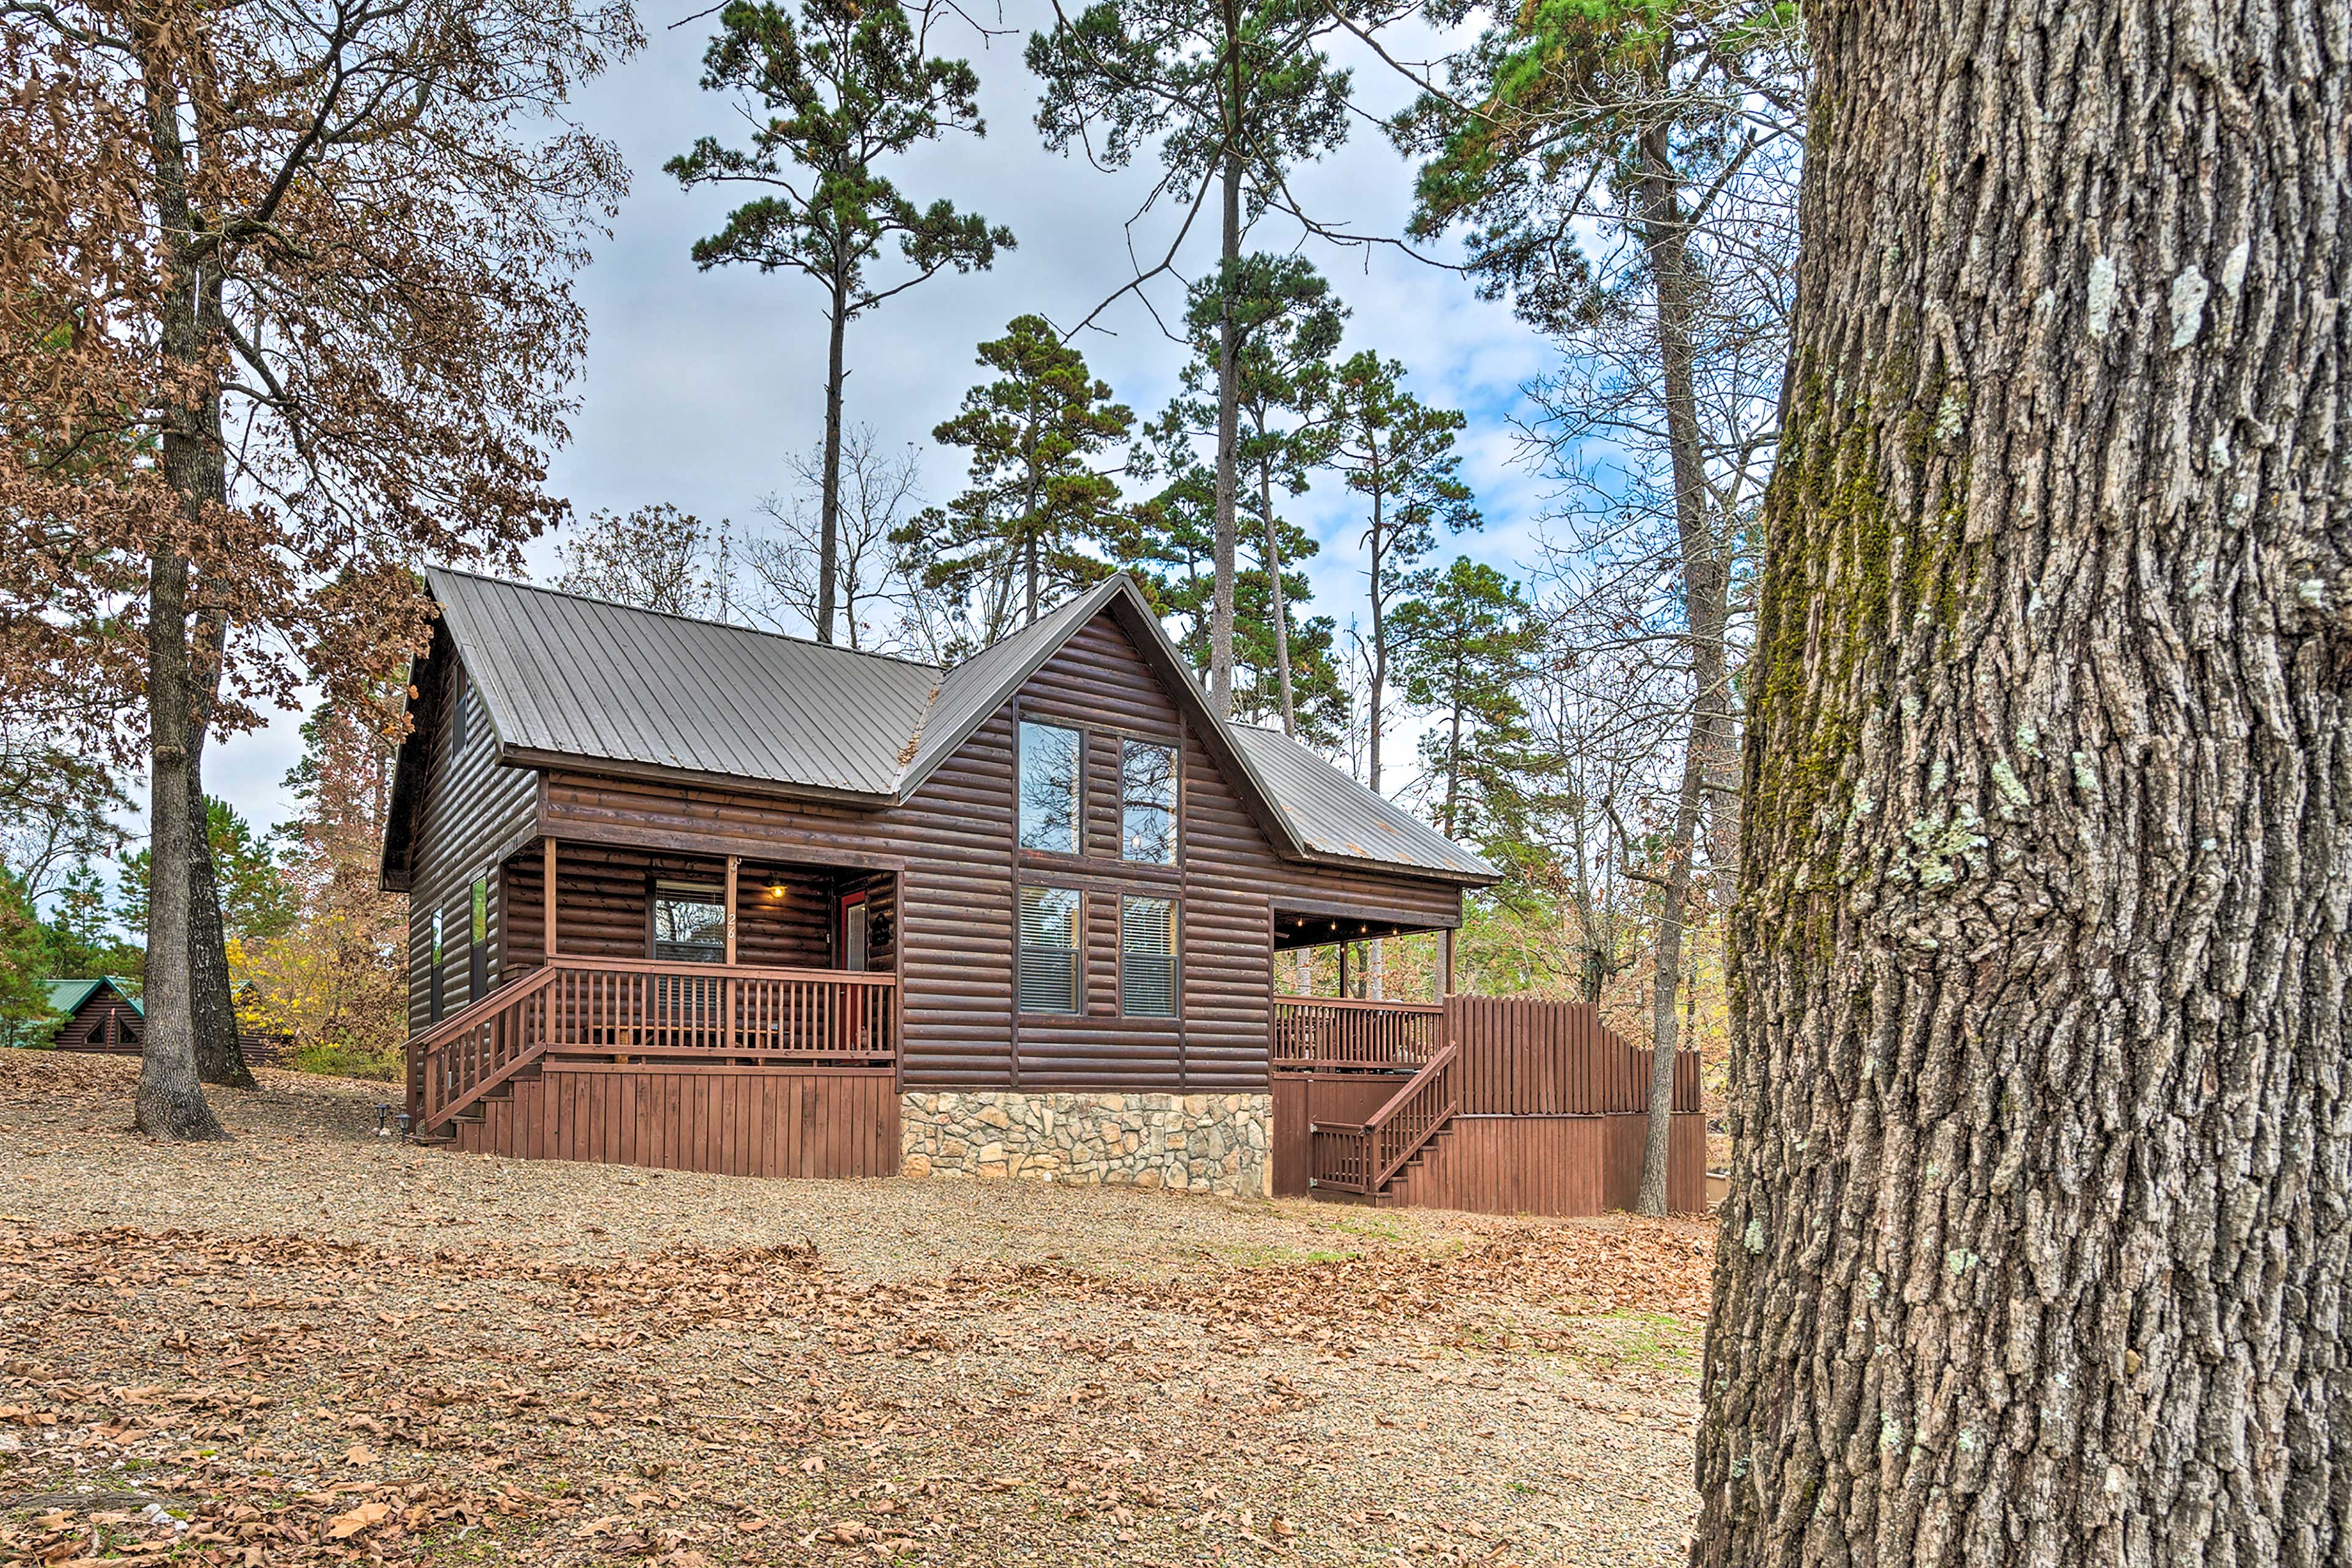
x: 1403, y: 1189
x: 1363, y: 1162
x: 1512, y: 1106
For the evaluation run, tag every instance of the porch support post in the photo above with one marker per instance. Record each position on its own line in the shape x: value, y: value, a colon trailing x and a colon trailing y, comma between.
x: 1343, y: 948
x: 547, y: 892
x: 734, y: 864
x: 1445, y: 972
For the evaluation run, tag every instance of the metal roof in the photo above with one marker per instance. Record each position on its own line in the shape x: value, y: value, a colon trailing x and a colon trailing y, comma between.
x: 566, y: 676
x: 568, y: 679
x: 67, y: 995
x: 1333, y: 815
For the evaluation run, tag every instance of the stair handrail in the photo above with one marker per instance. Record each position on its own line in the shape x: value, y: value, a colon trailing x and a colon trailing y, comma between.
x: 1378, y: 1163
x: 1437, y: 1072
x: 437, y: 1039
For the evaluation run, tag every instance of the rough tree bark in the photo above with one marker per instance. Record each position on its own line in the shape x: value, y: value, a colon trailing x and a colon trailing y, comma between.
x: 170, y: 1101
x: 211, y: 1001
x: 2037, y: 1242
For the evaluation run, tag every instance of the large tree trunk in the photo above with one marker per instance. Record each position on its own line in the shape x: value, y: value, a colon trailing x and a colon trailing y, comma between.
x: 2042, y: 1197
x: 211, y: 1001
x: 828, y: 552
x: 1706, y: 581
x: 170, y: 1101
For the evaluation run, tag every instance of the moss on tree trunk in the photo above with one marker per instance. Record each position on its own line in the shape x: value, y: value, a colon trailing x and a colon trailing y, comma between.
x: 2037, y: 1242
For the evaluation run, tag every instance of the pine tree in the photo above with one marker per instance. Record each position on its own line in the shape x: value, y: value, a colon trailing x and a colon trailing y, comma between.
x: 831, y: 96
x: 1398, y: 453
x: 1286, y: 324
x: 1174, y: 556
x: 1237, y: 94
x: 1462, y: 647
x: 1038, y: 517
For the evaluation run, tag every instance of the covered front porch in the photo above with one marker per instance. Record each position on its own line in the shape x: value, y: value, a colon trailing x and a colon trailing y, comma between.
x: 708, y: 1012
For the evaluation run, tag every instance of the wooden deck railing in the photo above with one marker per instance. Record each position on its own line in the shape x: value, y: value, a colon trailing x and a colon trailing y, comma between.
x: 1360, y: 1157
x: 1341, y: 1034
x: 637, y: 1008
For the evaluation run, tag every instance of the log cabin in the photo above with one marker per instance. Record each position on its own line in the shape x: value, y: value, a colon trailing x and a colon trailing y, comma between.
x: 96, y: 1015
x: 696, y: 895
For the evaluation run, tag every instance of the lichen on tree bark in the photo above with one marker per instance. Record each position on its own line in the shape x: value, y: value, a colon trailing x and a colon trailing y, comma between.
x: 2037, y: 1244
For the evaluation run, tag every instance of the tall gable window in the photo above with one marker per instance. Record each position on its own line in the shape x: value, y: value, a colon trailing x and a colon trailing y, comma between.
x: 1049, y: 788
x: 1049, y: 949
x: 1146, y: 802
x: 1147, y: 957
x: 689, y: 924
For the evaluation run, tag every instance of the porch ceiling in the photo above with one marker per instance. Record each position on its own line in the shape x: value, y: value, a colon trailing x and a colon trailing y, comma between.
x: 1293, y: 931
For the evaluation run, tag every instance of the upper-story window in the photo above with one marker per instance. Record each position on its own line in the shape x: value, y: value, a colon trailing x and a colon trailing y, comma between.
x: 1147, y: 797
x: 1049, y: 788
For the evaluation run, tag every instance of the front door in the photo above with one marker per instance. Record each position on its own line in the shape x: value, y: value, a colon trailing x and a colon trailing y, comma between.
x: 857, y: 945
x: 856, y: 932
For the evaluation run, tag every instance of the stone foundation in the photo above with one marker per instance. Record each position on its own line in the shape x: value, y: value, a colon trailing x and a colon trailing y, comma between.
x: 1191, y: 1142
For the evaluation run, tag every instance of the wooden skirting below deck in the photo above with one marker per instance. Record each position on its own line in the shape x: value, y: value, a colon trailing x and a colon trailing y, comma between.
x: 734, y: 1119
x: 1553, y: 1165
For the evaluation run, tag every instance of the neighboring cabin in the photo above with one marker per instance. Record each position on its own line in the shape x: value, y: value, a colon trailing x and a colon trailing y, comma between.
x: 825, y: 912
x: 105, y: 1015
x: 96, y: 1015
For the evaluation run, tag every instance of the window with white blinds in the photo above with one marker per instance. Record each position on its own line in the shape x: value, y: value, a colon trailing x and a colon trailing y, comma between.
x: 1049, y: 949
x: 1147, y: 957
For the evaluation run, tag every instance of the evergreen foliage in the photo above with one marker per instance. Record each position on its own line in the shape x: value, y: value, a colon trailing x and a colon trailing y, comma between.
x: 830, y: 96
x: 1038, y: 517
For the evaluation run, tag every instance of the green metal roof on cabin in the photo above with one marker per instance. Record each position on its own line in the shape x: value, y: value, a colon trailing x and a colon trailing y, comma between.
x: 67, y: 995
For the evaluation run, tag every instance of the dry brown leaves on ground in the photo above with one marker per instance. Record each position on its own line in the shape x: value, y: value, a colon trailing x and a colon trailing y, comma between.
x: 1440, y: 1391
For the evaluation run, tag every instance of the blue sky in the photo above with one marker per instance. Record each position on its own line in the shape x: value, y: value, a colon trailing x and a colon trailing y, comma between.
x: 698, y: 384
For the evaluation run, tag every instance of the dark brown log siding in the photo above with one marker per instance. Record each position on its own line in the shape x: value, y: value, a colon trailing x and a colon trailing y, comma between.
x: 605, y: 910
x: 471, y: 814
x: 952, y: 844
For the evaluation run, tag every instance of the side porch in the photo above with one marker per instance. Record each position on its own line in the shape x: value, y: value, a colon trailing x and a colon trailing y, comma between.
x: 1491, y: 1104
x: 667, y: 1009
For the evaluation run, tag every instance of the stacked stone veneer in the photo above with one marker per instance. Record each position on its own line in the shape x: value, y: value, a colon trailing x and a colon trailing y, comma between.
x: 1191, y: 1142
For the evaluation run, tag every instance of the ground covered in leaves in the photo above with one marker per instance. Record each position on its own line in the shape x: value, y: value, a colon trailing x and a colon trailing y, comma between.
x: 315, y: 1345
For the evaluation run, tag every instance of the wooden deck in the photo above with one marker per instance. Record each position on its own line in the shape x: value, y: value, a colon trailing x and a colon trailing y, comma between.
x: 731, y: 1069
x: 1498, y: 1105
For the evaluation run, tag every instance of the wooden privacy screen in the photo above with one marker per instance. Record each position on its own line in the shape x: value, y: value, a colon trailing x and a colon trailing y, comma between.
x: 1550, y: 1106
x: 1554, y: 1165
x: 733, y: 1120
x: 1526, y: 1058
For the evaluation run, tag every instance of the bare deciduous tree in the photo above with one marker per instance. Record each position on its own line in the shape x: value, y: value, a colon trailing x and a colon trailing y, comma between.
x: 879, y: 489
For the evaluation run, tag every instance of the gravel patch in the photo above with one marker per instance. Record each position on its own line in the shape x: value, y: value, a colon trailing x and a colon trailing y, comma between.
x: 544, y: 1362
